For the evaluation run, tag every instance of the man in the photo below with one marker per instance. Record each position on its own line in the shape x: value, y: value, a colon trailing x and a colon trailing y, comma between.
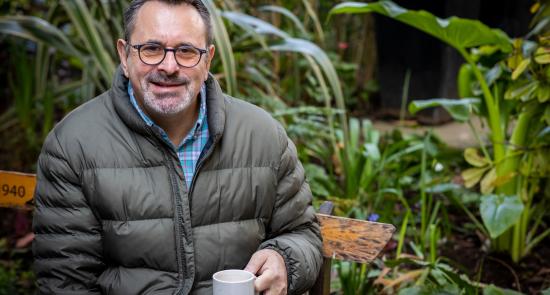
x: 163, y: 180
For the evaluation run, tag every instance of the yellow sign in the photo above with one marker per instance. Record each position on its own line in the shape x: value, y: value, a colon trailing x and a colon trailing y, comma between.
x: 16, y: 189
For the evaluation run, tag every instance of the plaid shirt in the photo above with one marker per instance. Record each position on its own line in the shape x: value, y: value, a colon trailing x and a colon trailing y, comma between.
x: 190, y: 149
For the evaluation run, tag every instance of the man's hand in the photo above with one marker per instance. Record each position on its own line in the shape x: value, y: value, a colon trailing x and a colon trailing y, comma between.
x: 270, y: 268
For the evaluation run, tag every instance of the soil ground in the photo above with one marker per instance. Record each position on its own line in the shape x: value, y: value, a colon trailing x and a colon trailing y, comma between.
x: 530, y: 276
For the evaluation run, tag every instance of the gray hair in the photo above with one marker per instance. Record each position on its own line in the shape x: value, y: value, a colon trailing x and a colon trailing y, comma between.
x: 131, y: 11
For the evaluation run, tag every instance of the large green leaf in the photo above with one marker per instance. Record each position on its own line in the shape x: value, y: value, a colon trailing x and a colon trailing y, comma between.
x: 305, y: 47
x: 256, y: 27
x: 315, y: 19
x: 372, y: 151
x: 472, y: 156
x: 457, y: 32
x: 310, y: 49
x: 459, y: 109
x: 493, y: 290
x: 544, y: 132
x: 288, y: 14
x: 82, y: 20
x: 38, y: 30
x: 500, y: 212
x: 521, y: 91
x: 224, y: 48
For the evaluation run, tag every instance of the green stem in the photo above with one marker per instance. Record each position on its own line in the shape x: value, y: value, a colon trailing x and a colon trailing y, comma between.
x: 472, y: 217
x: 402, y: 233
x: 404, y: 97
x: 362, y: 281
x: 478, y: 139
x: 526, y: 194
x: 423, y: 204
x: 526, y: 214
x: 537, y: 240
x: 502, y: 243
x: 516, y: 242
x: 433, y: 243
x: 510, y: 165
x: 493, y: 109
x: 517, y: 140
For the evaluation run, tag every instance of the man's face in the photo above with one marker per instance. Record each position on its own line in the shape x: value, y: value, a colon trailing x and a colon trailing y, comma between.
x: 166, y: 88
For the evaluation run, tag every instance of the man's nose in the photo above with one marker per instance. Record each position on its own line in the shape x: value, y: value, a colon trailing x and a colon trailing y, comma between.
x: 169, y: 64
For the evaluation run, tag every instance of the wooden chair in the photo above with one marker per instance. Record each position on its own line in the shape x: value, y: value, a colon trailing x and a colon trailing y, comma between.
x: 343, y: 238
x: 16, y: 189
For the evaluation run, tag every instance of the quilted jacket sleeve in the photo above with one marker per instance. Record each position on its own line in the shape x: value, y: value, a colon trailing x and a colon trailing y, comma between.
x: 67, y: 246
x: 295, y: 232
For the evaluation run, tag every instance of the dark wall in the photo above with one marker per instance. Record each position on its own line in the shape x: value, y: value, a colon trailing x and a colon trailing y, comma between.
x: 434, y: 65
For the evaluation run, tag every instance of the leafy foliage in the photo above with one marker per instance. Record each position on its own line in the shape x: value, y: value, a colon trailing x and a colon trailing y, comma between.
x: 15, y: 277
x: 457, y: 32
x: 516, y: 86
x: 499, y: 213
x: 282, y: 58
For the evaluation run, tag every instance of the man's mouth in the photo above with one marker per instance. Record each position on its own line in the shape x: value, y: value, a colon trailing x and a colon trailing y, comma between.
x: 167, y: 84
x: 160, y: 83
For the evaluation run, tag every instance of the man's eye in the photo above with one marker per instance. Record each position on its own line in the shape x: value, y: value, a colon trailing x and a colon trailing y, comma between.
x: 151, y: 49
x: 185, y: 50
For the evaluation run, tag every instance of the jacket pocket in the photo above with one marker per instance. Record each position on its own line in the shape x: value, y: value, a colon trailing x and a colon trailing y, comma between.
x: 227, y: 245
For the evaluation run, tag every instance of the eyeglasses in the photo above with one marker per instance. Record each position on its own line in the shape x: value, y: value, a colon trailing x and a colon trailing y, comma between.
x: 153, y: 54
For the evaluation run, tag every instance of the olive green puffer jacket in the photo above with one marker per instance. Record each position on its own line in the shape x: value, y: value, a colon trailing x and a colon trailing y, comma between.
x: 114, y: 215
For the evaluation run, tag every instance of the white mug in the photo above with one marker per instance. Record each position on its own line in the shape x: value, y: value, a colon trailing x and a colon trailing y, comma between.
x: 233, y: 282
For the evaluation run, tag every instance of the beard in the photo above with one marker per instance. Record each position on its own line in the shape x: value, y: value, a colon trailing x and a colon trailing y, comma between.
x: 167, y: 103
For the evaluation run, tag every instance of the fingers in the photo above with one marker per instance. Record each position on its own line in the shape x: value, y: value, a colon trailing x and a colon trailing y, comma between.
x: 256, y: 262
x: 270, y: 268
x: 271, y: 283
x: 264, y: 281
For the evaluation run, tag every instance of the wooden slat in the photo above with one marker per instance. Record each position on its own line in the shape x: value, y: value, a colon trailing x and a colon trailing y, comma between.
x: 352, y: 239
x: 16, y: 189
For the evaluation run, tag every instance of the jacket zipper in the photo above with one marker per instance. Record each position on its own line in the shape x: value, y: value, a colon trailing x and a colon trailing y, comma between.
x: 179, y: 208
x: 180, y: 230
x: 180, y: 233
x: 190, y: 189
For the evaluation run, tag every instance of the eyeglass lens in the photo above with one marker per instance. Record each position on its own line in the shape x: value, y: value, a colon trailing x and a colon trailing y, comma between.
x: 153, y: 54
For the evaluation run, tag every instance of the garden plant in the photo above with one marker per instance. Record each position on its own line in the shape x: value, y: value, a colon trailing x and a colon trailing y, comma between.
x: 288, y: 57
x: 514, y: 96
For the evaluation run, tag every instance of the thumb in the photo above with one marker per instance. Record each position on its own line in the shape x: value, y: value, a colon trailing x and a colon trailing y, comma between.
x: 256, y: 262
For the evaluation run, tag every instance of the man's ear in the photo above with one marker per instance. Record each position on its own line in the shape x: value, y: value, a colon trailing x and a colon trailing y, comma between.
x: 123, y: 55
x: 211, y: 51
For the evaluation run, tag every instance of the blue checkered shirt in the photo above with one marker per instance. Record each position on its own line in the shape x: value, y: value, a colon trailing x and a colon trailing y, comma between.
x: 190, y: 149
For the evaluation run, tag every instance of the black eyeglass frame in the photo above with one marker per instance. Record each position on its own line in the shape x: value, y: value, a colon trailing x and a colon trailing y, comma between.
x: 173, y: 50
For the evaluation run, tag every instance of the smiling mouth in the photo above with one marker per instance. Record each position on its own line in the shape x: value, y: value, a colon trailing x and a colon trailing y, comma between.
x: 167, y: 85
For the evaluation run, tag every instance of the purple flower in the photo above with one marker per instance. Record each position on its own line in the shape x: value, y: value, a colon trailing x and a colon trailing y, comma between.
x: 373, y: 217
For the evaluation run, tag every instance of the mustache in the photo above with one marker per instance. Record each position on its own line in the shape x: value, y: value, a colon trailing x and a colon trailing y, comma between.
x: 160, y: 77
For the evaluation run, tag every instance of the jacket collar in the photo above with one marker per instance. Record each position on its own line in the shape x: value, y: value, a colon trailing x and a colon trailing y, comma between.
x: 215, y: 104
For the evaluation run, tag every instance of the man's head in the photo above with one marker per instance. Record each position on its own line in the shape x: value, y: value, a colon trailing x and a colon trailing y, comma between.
x: 131, y: 11
x: 166, y: 82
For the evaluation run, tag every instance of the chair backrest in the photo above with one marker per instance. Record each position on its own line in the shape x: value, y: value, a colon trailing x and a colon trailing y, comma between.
x: 16, y: 189
x: 348, y: 240
x: 343, y: 238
